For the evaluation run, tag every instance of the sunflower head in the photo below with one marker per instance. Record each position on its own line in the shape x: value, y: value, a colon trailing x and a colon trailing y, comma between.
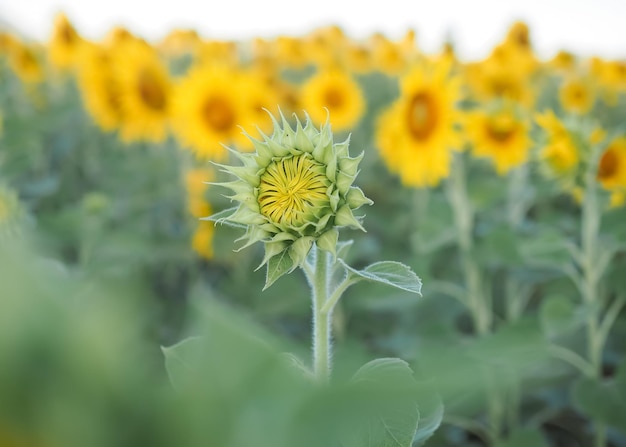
x: 293, y: 191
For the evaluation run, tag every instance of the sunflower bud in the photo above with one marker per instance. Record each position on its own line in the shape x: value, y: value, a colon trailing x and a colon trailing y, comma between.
x: 293, y: 191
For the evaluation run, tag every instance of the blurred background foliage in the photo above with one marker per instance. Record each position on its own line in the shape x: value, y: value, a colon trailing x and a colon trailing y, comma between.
x: 104, y: 146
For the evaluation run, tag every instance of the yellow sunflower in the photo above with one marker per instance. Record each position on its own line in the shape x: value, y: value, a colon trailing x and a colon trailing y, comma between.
x: 336, y: 91
x: 99, y: 88
x: 504, y: 75
x: 562, y: 61
x: 560, y: 155
x: 290, y: 52
x: 208, y: 110
x: 577, y: 95
x: 500, y: 135
x: 259, y: 97
x: 145, y: 93
x: 416, y: 134
x: 358, y: 57
x: 65, y: 43
x: 195, y: 184
x: 202, y: 239
x: 25, y: 63
x: 392, y: 57
x: 612, y: 165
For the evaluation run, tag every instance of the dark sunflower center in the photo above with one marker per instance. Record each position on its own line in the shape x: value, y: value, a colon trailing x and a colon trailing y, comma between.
x: 501, y: 128
x: 608, y: 165
x: 422, y: 115
x: 334, y: 98
x: 292, y: 190
x: 218, y: 114
x: 67, y: 34
x: 151, y: 90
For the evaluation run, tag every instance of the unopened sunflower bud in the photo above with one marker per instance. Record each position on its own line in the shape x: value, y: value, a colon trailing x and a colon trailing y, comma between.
x: 295, y: 190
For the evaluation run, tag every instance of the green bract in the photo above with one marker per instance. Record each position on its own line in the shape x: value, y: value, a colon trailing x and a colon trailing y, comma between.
x: 294, y: 190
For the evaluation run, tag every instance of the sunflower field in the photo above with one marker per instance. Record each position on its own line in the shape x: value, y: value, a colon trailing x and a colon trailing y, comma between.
x: 182, y: 223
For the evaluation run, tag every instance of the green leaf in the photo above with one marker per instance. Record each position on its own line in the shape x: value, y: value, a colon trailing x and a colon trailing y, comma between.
x: 559, y: 316
x: 430, y: 416
x: 180, y: 361
x: 390, y: 418
x: 600, y: 401
x: 391, y: 273
x: 277, y: 266
x: 525, y: 438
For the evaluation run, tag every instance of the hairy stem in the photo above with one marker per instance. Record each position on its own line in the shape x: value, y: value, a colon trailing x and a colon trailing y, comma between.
x: 321, y: 319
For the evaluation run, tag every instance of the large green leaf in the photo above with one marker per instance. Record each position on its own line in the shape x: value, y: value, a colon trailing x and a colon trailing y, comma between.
x: 390, y: 418
x: 391, y: 273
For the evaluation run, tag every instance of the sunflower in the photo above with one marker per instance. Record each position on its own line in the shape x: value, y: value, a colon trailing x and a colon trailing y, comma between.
x: 65, y: 43
x: 202, y: 239
x: 358, y: 57
x: 612, y: 165
x: 98, y: 86
x: 563, y: 61
x: 392, y: 57
x: 290, y: 52
x: 145, y: 93
x: 196, y: 185
x: 25, y: 64
x: 208, y: 109
x: 259, y: 97
x: 577, y: 95
x: 500, y: 135
x: 560, y: 154
x: 416, y: 133
x: 336, y: 91
x: 505, y: 74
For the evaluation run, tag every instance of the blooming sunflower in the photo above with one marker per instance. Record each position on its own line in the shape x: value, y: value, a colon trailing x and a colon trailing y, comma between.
x: 560, y: 154
x: 295, y: 190
x: 416, y: 133
x: 99, y: 87
x: 208, y: 110
x: 25, y: 64
x: 65, y: 43
x: 500, y: 135
x: 612, y: 166
x: 577, y: 95
x: 145, y: 93
x: 336, y: 91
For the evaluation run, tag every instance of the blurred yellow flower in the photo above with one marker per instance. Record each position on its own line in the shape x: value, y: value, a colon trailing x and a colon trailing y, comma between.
x: 208, y: 110
x: 416, y: 133
x: 202, y: 239
x: 145, y: 93
x: 25, y: 64
x: 560, y: 154
x: 65, y: 43
x: 577, y: 95
x: 500, y: 135
x: 99, y: 87
x: 612, y: 165
x: 336, y: 91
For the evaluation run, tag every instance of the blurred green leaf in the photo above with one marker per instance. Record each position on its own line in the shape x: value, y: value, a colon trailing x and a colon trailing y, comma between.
x: 525, y: 438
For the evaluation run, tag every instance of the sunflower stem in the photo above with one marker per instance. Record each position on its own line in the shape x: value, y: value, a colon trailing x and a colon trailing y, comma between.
x: 464, y: 221
x: 321, y: 317
x: 590, y: 227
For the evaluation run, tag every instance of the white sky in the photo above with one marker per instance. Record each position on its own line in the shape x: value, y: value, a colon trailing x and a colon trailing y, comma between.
x: 586, y: 27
